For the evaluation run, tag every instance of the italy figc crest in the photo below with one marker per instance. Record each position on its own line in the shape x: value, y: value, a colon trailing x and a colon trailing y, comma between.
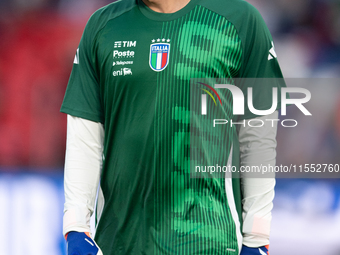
x: 159, y: 55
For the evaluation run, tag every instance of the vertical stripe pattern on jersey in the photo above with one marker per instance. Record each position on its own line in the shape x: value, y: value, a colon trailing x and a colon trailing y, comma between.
x: 195, y: 217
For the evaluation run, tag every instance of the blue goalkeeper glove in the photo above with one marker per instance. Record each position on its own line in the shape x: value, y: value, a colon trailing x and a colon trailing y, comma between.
x: 80, y: 243
x: 255, y: 251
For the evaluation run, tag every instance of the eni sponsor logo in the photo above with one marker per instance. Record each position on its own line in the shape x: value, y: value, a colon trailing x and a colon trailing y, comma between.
x: 122, y: 72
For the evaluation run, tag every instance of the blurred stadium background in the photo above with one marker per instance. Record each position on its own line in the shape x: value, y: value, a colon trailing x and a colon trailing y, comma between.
x: 38, y: 39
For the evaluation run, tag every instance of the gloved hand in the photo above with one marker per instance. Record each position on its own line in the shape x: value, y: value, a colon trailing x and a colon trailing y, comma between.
x: 255, y: 251
x: 80, y: 243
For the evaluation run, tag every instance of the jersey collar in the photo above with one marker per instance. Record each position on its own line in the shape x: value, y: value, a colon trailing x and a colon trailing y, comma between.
x: 147, y: 12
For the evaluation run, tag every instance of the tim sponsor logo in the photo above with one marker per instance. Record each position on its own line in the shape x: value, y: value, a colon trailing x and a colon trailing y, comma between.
x: 125, y: 44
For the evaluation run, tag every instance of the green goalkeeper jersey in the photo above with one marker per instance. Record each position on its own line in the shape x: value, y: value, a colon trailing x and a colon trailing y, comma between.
x: 133, y: 72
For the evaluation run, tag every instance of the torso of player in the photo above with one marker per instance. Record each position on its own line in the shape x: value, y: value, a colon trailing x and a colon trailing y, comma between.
x: 145, y: 67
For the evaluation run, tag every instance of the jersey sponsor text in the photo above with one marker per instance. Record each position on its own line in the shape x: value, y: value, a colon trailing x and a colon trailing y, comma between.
x: 119, y: 54
x: 123, y: 44
x: 122, y: 71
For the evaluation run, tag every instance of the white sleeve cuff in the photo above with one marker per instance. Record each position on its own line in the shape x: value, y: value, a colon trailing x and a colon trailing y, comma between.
x: 76, y: 219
